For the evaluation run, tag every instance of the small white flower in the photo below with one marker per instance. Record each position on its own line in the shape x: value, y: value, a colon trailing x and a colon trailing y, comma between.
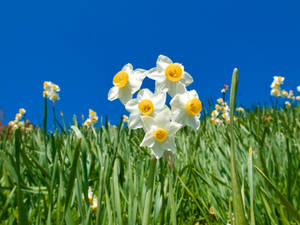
x: 186, y: 109
x: 275, y: 84
x: 126, y: 83
x: 160, y: 132
x: 275, y: 92
x: 298, y: 88
x: 278, y: 79
x: 169, y: 76
x: 215, y: 113
x: 146, y: 104
x: 284, y: 93
x: 22, y: 111
x: 240, y: 109
x: 287, y: 104
x: 53, y: 96
x: 95, y: 204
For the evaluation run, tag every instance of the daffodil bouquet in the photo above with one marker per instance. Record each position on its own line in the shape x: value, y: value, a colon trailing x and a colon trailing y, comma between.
x: 149, y: 110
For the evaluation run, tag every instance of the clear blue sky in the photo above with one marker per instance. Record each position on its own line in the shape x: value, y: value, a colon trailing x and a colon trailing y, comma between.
x: 80, y: 45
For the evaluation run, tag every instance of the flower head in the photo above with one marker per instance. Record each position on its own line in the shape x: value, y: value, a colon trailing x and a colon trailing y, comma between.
x: 298, y: 88
x: 160, y: 132
x: 186, y: 108
x: 50, y: 91
x: 126, y: 82
x: 169, y: 76
x: 146, y: 104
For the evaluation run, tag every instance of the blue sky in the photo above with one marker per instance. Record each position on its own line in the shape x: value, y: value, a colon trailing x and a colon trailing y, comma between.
x: 80, y: 45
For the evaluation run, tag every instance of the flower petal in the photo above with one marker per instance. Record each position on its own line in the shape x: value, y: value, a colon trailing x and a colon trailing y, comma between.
x: 186, y: 79
x: 127, y: 68
x: 140, y: 74
x: 173, y: 128
x: 148, y: 123
x: 144, y: 94
x: 134, y: 121
x: 113, y: 93
x: 125, y: 94
x: 159, y: 100
x: 175, y: 88
x: 132, y: 105
x: 158, y: 149
x: 148, y: 140
x: 163, y: 118
x: 156, y: 74
x: 163, y: 61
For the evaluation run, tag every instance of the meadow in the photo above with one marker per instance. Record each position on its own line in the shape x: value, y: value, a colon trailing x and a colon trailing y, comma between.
x: 45, y: 177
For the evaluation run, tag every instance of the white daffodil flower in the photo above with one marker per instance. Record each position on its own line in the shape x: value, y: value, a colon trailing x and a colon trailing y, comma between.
x: 169, y: 76
x: 275, y: 85
x: 278, y: 79
x: 126, y: 83
x: 284, y: 93
x: 146, y: 104
x: 160, y: 132
x: 275, y: 92
x: 186, y: 109
x: 298, y: 88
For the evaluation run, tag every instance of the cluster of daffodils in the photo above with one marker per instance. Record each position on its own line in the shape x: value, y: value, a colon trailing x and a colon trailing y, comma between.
x: 51, y: 91
x: 93, y: 118
x: 277, y: 91
x: 18, y: 122
x: 91, y: 199
x: 221, y: 112
x: 148, y: 110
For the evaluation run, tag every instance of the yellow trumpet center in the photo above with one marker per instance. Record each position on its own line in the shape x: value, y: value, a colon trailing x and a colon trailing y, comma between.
x: 46, y: 84
x: 54, y: 87
x: 173, y: 72
x: 160, y: 134
x: 193, y: 106
x: 146, y: 107
x: 280, y: 79
x: 121, y: 79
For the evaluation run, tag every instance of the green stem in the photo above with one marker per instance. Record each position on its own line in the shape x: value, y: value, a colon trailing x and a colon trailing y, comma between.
x: 148, y: 201
x: 54, y: 117
x: 45, y: 118
x: 238, y: 207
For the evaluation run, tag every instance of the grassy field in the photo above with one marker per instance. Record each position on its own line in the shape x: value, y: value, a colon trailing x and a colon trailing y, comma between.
x: 45, y: 178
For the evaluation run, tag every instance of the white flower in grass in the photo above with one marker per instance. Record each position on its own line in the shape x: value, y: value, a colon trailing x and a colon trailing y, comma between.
x: 160, y: 132
x: 240, y: 109
x: 169, y: 76
x: 186, y: 109
x: 146, y: 104
x: 275, y: 92
x: 278, y: 79
x: 126, y: 83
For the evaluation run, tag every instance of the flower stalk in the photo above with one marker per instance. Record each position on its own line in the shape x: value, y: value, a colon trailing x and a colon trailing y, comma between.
x: 238, y: 207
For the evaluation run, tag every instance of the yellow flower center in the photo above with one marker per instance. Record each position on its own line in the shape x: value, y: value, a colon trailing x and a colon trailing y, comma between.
x: 121, y: 79
x: 173, y: 72
x: 280, y: 79
x: 275, y: 92
x: 46, y: 84
x: 94, y: 119
x: 54, y: 87
x: 276, y: 85
x: 54, y: 96
x: 45, y: 93
x: 193, y: 106
x: 160, y: 134
x: 146, y: 107
x: 91, y: 113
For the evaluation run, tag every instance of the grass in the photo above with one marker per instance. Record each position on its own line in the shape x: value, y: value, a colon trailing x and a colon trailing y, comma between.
x: 43, y: 178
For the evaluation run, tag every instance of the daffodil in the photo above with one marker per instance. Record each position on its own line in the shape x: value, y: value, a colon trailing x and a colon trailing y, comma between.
x: 95, y: 204
x: 240, y: 109
x: 50, y: 91
x: 160, y: 132
x: 298, y: 88
x: 146, y: 104
x: 22, y: 111
x: 275, y: 92
x: 186, y: 109
x: 126, y: 82
x: 169, y: 76
x: 287, y: 104
x: 284, y: 93
x: 278, y: 79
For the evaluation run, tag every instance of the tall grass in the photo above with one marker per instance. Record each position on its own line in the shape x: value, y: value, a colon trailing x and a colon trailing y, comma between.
x: 43, y: 179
